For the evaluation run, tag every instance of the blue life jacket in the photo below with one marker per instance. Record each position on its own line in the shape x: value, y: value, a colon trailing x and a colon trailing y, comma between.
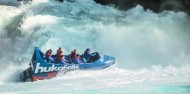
x: 87, y: 55
x: 77, y: 61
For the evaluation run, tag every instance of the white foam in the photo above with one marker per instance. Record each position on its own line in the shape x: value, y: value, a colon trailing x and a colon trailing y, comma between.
x: 138, y: 39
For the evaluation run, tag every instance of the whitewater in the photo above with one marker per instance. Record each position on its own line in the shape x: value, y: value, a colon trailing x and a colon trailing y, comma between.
x: 151, y: 49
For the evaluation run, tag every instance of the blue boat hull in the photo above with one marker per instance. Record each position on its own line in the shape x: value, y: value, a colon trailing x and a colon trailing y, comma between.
x: 41, y: 69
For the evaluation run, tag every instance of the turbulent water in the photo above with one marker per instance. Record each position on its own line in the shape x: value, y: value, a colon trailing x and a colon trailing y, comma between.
x: 152, y: 50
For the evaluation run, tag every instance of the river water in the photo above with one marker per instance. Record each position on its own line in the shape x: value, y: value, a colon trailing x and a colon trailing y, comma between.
x: 151, y: 49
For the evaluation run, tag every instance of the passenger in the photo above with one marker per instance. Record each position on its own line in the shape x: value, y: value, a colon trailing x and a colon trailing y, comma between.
x: 59, y: 50
x: 90, y: 57
x: 73, y: 53
x: 62, y: 60
x: 59, y: 55
x: 49, y: 55
x: 76, y: 59
x: 87, y: 54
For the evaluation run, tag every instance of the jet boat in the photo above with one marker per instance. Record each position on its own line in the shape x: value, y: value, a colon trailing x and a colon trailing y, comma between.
x: 41, y: 69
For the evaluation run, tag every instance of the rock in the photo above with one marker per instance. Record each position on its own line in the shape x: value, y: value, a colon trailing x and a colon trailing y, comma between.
x: 61, y: 0
x: 155, y: 5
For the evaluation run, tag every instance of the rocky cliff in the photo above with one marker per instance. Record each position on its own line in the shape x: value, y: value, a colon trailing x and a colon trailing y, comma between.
x: 155, y: 5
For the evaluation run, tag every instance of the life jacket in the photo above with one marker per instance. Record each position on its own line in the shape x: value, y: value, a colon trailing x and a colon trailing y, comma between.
x: 58, y: 52
x: 74, y: 57
x: 72, y: 54
x: 48, y: 54
x: 87, y: 55
x: 58, y: 56
x: 77, y: 61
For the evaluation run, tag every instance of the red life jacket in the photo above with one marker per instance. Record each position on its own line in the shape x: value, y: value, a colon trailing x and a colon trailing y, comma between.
x: 72, y: 54
x: 59, y: 56
x: 48, y: 54
x: 75, y: 57
x: 58, y: 52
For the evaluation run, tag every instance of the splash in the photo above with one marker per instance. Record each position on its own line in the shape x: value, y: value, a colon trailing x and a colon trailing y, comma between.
x: 139, y: 39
